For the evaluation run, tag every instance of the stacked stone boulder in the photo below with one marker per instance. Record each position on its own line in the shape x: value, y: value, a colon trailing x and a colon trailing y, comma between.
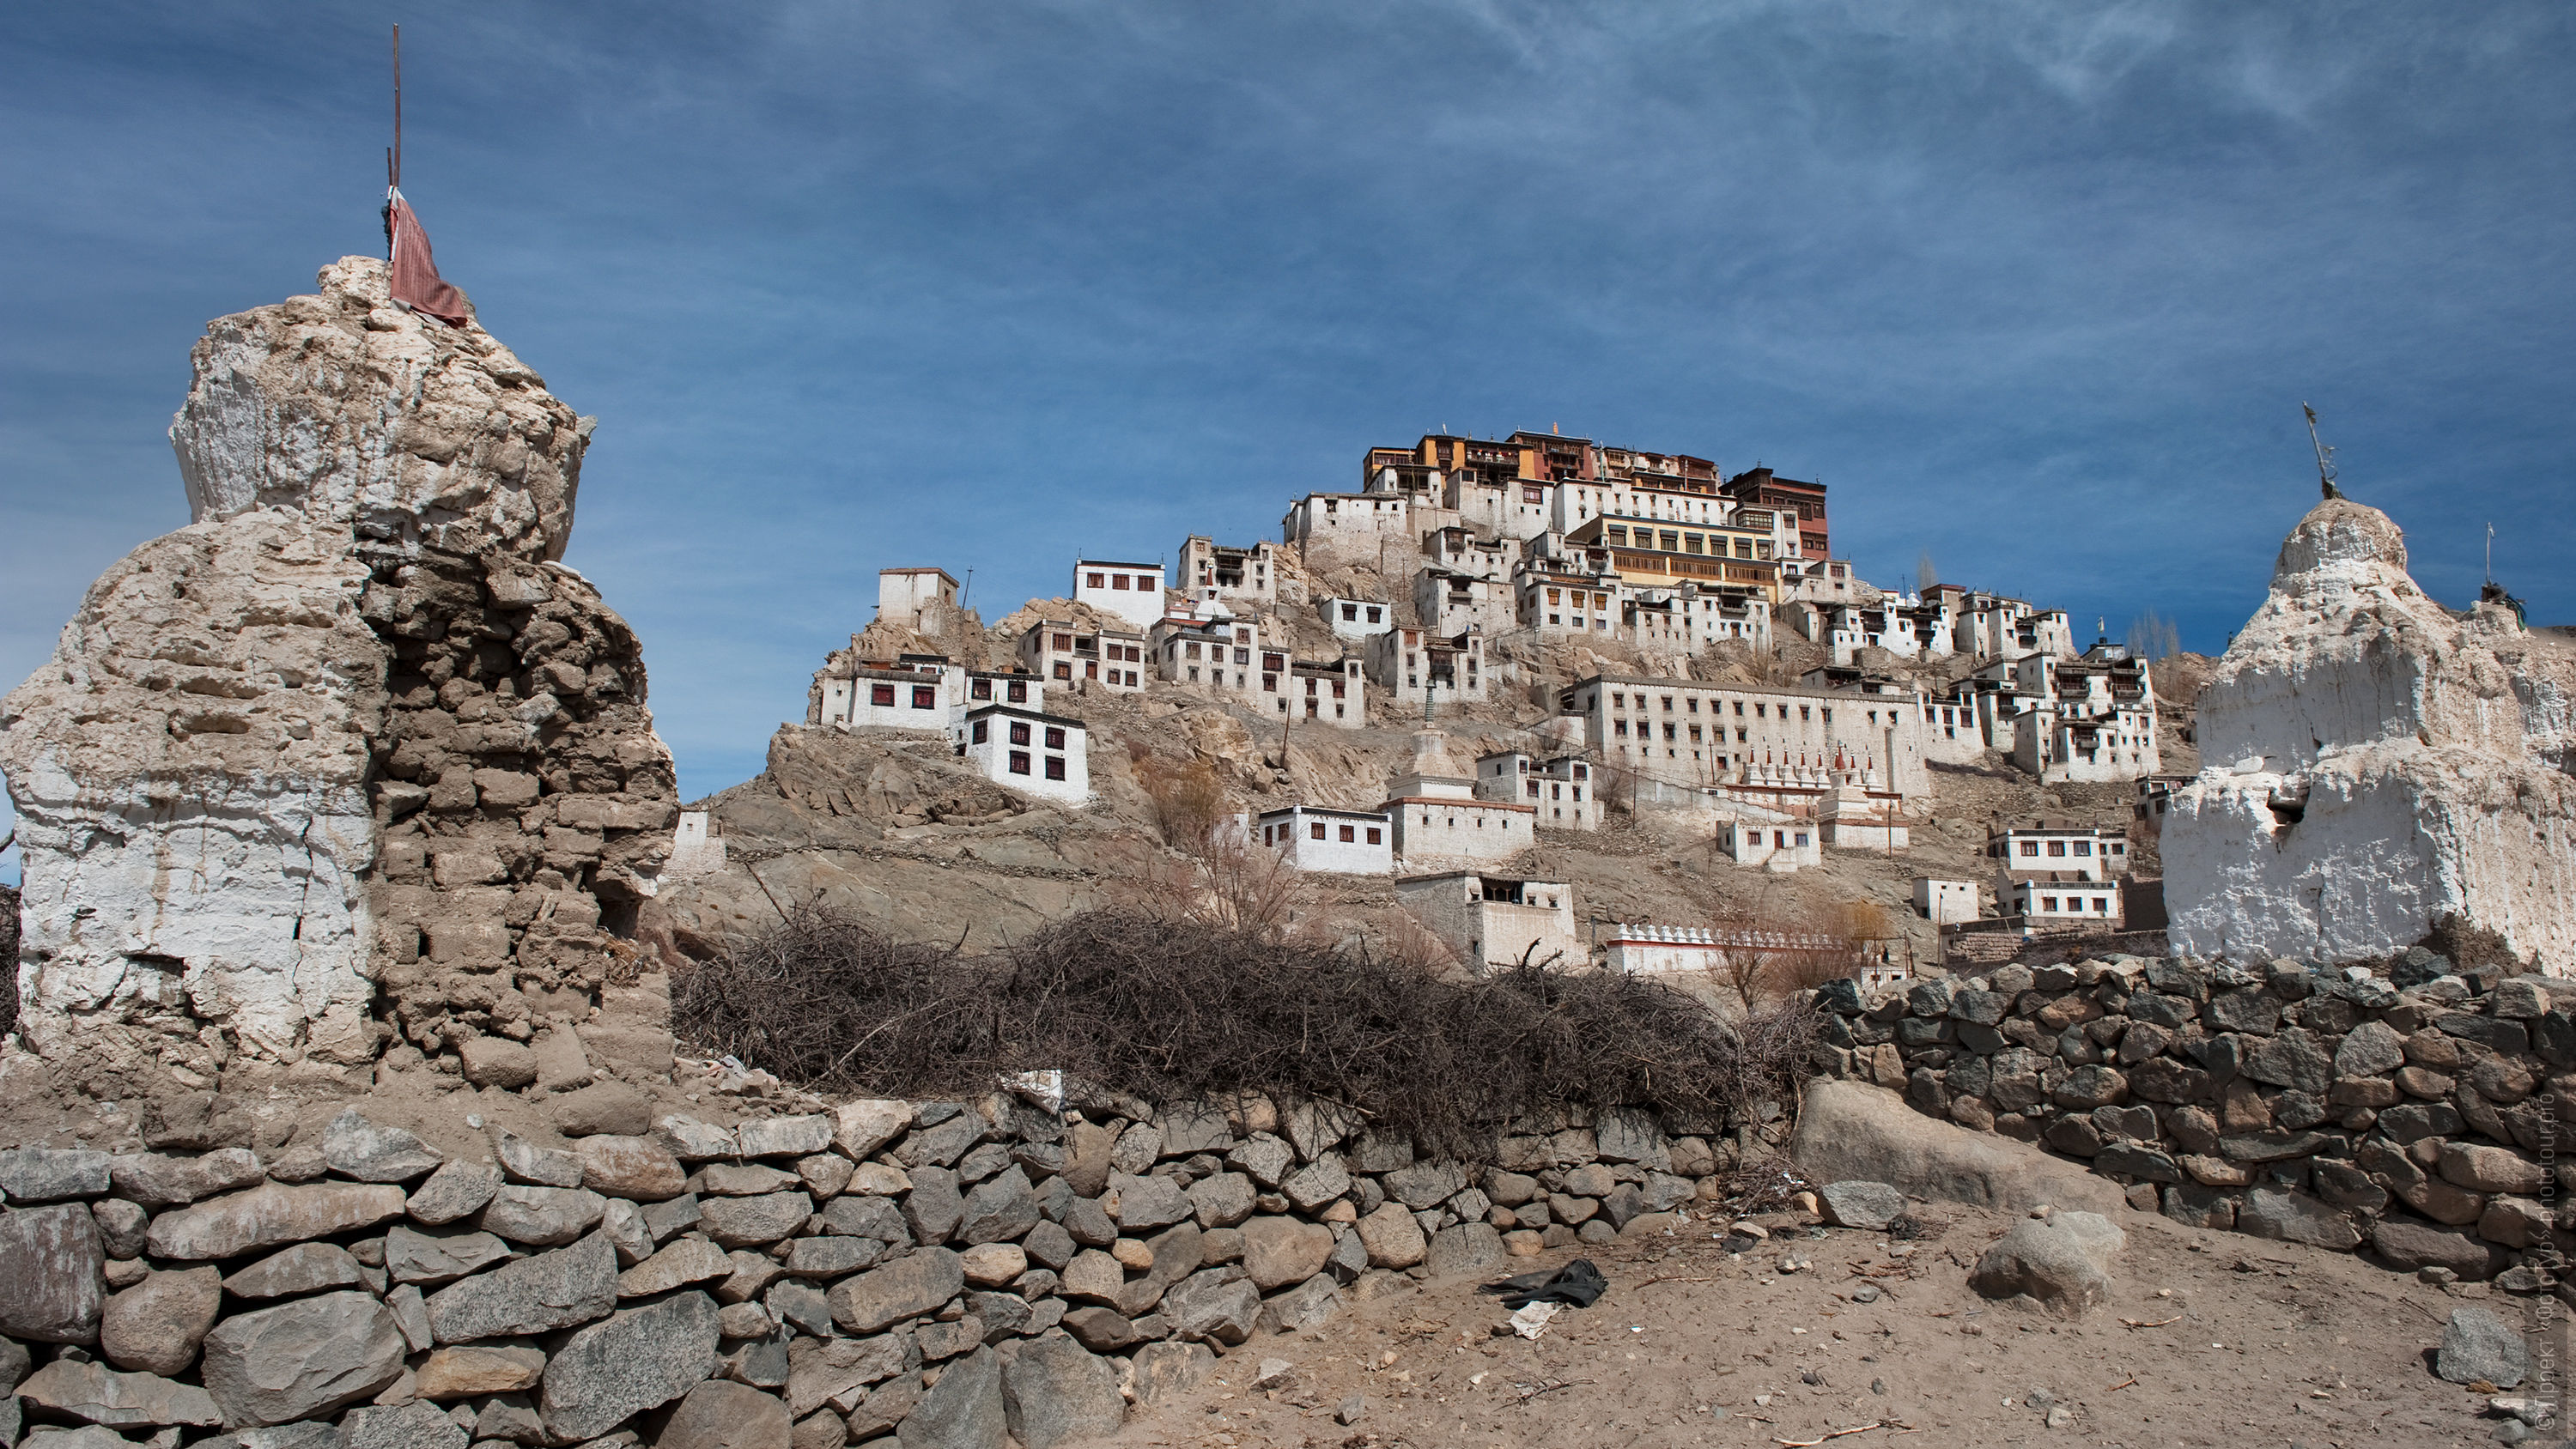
x: 884, y: 1272
x: 2288, y: 1101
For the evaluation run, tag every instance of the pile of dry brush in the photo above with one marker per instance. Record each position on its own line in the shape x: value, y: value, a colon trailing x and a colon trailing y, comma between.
x: 1173, y: 1009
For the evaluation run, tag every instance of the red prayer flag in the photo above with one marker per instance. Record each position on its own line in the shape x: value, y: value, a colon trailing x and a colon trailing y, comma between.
x: 416, y: 283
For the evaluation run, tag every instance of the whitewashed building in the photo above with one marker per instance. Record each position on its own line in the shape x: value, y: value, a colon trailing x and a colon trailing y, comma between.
x: 1085, y: 659
x: 1450, y: 602
x: 1331, y: 693
x: 1317, y: 838
x: 1129, y: 591
x: 1494, y: 921
x: 1414, y: 666
x: 1356, y: 619
x: 1439, y: 821
x: 1555, y: 598
x: 1689, y: 619
x: 920, y: 599
x: 1561, y: 789
x: 2059, y: 847
x: 1381, y: 531
x: 916, y: 691
x: 1462, y: 549
x: 1037, y: 754
x: 1699, y: 733
x: 1637, y: 949
x: 2049, y: 899
x: 696, y: 848
x: 1850, y: 817
x: 1211, y: 570
x: 2091, y: 719
x: 1780, y: 846
x: 1220, y: 655
x: 1948, y: 902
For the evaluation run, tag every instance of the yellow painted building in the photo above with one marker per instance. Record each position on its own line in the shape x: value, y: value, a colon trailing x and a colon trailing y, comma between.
x: 1648, y: 552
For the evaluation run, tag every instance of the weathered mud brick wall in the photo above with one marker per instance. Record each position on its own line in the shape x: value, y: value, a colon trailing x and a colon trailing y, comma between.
x: 353, y: 758
x: 939, y: 1270
x: 2285, y: 1101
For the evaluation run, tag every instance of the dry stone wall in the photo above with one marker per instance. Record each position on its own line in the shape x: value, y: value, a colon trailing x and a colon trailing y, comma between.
x: 913, y: 1272
x: 2286, y: 1101
x: 352, y: 758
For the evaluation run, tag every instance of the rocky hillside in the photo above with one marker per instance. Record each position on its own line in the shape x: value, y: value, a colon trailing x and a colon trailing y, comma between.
x: 890, y: 825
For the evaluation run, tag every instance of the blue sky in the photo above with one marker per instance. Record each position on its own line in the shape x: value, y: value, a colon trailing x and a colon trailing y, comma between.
x: 2036, y: 288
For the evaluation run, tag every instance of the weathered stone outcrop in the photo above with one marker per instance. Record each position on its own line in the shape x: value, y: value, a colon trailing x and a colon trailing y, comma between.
x: 353, y: 745
x: 2376, y: 762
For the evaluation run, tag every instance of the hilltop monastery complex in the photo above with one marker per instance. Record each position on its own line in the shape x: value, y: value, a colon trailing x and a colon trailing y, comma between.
x: 1452, y: 544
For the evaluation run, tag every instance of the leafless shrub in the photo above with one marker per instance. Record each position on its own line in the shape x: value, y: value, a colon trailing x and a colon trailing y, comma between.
x: 1172, y: 1007
x: 1188, y: 800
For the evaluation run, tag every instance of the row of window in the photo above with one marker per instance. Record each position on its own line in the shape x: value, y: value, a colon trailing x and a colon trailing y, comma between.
x: 1761, y: 708
x: 1127, y: 653
x: 1150, y: 582
x: 1315, y: 830
x: 1675, y: 541
x: 1091, y: 670
x: 1020, y: 734
x: 926, y: 696
x: 2063, y: 848
x: 2074, y: 906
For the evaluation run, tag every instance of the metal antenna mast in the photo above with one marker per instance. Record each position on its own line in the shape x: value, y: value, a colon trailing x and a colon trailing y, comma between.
x: 2325, y: 456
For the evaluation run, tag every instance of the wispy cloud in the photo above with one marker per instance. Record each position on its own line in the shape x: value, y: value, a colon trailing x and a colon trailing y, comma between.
x: 2036, y: 286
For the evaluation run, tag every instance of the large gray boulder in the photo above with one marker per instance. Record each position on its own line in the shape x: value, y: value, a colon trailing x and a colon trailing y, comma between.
x: 1213, y: 1304
x: 2063, y: 1261
x: 303, y: 1359
x: 721, y: 1415
x: 1165, y: 1370
x: 270, y: 1215
x: 637, y: 1359
x: 1868, y: 1206
x: 32, y: 1175
x: 2408, y: 1246
x: 97, y: 1394
x: 2293, y: 1218
x: 551, y: 1290
x: 837, y: 1371
x: 156, y: 1325
x: 1463, y: 1249
x: 416, y: 1425
x: 1849, y: 1131
x: 433, y: 1258
x: 1278, y: 1251
x: 1055, y: 1390
x: 356, y: 1147
x: 905, y: 1288
x: 159, y: 1181
x: 457, y: 1190
x: 2477, y: 1346
x: 543, y: 1217
x: 296, y: 1271
x: 964, y: 1410
x: 51, y: 1259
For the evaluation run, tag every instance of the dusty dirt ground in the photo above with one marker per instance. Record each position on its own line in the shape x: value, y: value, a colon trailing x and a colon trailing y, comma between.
x: 2240, y: 1343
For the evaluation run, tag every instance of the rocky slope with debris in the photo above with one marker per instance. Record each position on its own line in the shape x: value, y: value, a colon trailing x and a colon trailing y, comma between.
x: 2374, y: 763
